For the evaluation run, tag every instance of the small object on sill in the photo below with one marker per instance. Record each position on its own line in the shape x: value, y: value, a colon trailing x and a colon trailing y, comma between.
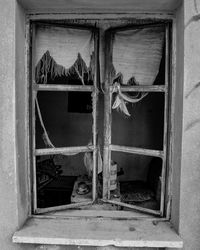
x: 83, y: 188
x: 113, y: 175
x: 115, y: 194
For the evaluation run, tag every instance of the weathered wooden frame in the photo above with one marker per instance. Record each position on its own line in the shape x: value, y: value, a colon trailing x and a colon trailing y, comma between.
x: 160, y: 88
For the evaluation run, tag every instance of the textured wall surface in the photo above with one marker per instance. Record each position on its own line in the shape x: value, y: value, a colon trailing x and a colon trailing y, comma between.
x: 189, y: 226
x: 13, y: 153
x: 8, y: 188
x: 95, y: 5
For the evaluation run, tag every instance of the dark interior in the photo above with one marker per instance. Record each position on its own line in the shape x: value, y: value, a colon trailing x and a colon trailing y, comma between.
x: 144, y: 129
x: 68, y: 120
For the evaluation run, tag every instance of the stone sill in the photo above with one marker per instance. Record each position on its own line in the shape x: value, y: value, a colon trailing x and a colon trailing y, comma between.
x: 98, y: 232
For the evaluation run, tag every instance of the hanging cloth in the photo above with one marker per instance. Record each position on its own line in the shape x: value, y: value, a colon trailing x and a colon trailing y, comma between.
x: 122, y: 99
x: 61, y: 51
x: 137, y: 55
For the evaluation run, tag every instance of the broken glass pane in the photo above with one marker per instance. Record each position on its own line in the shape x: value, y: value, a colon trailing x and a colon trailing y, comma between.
x: 64, y: 120
x: 63, y: 180
x: 144, y: 127
x: 140, y: 180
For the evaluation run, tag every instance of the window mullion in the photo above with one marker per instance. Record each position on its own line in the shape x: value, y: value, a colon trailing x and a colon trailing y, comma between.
x: 63, y: 150
x: 166, y: 112
x: 54, y: 87
x: 33, y: 118
x: 107, y: 143
x: 144, y: 88
x: 107, y: 117
x: 139, y: 151
x: 95, y: 116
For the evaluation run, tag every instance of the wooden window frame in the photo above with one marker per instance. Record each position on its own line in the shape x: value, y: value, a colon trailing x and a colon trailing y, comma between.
x: 108, y: 147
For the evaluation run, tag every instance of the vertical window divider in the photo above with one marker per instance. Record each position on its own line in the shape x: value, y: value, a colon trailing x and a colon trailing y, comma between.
x: 95, y: 115
x: 168, y: 197
x: 33, y: 99
x: 110, y: 135
x: 107, y: 117
x: 165, y: 136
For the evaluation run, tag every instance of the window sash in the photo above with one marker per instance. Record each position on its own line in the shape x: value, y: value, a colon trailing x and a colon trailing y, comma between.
x: 108, y: 147
x: 47, y: 151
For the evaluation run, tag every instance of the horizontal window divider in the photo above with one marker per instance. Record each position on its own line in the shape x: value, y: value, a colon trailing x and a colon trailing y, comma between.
x: 109, y: 214
x: 141, y: 209
x: 136, y: 26
x: 55, y: 87
x: 62, y: 207
x: 139, y: 151
x: 69, y: 26
x: 144, y: 88
x: 64, y: 150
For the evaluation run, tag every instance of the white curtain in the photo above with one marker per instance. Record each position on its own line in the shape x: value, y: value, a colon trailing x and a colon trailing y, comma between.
x: 64, y: 44
x: 137, y: 53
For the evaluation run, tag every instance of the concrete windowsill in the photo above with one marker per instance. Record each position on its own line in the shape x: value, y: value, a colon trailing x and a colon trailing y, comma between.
x: 98, y: 232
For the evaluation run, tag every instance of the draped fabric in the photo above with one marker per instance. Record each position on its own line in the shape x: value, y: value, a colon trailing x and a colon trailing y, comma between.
x: 63, y: 52
x: 137, y: 54
x: 136, y: 60
x: 64, y: 44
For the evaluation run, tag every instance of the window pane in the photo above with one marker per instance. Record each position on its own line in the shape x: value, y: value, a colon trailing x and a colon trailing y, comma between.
x: 63, y: 55
x: 144, y: 127
x: 62, y: 180
x: 67, y: 117
x: 140, y: 183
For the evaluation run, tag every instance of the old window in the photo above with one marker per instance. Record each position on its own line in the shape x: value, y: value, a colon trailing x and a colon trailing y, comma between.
x: 99, y: 115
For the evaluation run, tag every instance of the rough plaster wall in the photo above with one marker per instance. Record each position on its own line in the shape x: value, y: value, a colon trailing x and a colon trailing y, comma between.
x: 8, y: 204
x: 189, y: 226
x: 98, y: 6
x: 10, y: 217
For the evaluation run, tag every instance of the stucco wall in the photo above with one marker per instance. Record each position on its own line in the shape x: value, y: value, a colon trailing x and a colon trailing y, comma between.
x: 13, y: 153
x: 189, y: 226
x: 13, y: 189
x: 8, y: 189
